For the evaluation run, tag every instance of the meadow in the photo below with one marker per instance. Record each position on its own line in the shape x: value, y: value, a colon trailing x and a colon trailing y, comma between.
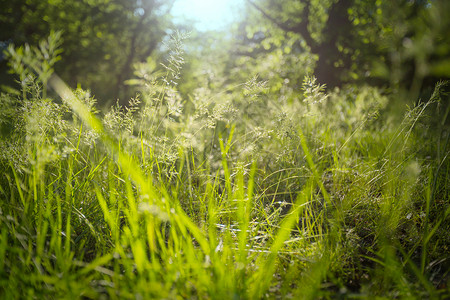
x: 231, y: 194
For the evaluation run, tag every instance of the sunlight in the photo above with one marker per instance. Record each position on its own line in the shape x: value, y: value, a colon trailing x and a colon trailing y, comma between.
x: 207, y: 14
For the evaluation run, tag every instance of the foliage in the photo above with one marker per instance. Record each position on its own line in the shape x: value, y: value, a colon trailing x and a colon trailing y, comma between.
x: 101, y: 39
x: 400, y: 44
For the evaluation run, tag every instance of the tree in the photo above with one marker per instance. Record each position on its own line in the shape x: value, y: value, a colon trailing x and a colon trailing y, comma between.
x: 101, y: 38
x: 384, y: 42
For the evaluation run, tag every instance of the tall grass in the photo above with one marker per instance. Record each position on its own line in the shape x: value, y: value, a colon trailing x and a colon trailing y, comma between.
x: 230, y: 195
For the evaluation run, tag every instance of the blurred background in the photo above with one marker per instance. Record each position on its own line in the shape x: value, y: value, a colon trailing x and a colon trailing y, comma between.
x: 400, y: 45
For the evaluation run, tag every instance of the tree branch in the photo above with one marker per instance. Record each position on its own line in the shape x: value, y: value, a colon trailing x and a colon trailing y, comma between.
x: 300, y: 28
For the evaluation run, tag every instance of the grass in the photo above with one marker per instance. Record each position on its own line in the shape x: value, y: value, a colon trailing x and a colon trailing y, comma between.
x: 240, y: 196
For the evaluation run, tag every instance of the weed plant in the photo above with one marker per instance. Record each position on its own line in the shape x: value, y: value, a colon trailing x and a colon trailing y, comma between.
x: 231, y: 194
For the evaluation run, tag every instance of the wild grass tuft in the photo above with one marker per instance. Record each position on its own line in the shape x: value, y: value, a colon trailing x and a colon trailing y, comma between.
x: 235, y: 194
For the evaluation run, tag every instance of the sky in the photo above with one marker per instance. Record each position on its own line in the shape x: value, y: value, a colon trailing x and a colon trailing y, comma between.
x: 208, y: 14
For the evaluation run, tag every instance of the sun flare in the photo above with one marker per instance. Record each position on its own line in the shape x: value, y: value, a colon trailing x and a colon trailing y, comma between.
x: 207, y: 14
